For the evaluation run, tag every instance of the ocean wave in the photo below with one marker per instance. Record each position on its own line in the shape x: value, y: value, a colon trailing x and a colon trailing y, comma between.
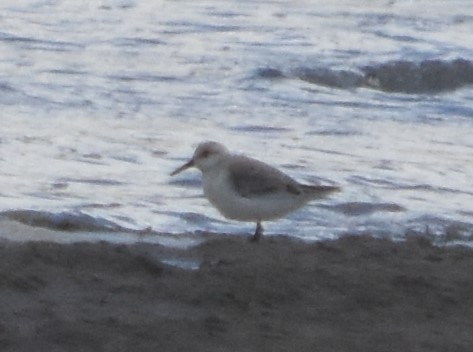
x: 363, y: 208
x: 344, y: 79
x: 424, y: 77
x: 429, y: 76
x: 63, y: 221
x: 8, y: 94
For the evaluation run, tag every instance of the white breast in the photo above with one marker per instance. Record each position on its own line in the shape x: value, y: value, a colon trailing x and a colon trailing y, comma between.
x: 220, y: 192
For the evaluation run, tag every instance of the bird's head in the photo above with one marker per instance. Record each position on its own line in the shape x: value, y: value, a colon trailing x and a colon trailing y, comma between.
x: 206, y: 156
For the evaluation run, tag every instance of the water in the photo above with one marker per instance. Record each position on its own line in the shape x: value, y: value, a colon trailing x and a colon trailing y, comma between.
x: 100, y: 100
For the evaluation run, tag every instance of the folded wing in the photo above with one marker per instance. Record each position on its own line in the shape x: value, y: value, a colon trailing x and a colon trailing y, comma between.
x: 253, y: 178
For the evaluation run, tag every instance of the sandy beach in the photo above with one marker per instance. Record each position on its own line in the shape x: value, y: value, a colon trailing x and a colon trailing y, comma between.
x: 226, y: 294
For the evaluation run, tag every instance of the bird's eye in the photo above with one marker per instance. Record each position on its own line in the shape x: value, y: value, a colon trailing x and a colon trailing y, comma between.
x: 205, y: 154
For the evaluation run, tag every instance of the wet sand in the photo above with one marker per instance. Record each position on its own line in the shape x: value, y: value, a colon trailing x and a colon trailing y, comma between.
x: 352, y: 294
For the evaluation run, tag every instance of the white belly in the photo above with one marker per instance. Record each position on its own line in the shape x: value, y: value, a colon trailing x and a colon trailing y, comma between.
x: 230, y: 204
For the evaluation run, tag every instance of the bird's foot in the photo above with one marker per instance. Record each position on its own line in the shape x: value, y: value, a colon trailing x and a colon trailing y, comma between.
x: 258, y: 233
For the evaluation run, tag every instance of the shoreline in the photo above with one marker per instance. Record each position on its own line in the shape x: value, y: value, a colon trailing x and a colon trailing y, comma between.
x: 356, y: 293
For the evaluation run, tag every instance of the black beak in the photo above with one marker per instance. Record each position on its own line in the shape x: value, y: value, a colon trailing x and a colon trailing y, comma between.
x: 187, y: 165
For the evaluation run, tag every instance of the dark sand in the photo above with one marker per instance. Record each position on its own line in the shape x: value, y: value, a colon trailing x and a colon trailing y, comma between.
x: 353, y: 294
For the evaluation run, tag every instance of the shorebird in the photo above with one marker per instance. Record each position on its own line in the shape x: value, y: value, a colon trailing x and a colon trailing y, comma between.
x: 246, y: 189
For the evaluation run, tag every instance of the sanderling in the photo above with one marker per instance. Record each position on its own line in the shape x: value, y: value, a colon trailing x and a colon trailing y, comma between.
x: 246, y: 189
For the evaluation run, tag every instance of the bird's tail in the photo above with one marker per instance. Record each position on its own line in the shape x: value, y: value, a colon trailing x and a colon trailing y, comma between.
x: 314, y: 192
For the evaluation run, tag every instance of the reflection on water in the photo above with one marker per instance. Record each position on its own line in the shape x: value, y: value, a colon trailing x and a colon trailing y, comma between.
x: 99, y: 102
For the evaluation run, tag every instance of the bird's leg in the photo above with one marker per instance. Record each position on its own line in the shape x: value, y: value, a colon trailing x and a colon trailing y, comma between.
x: 258, y: 232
